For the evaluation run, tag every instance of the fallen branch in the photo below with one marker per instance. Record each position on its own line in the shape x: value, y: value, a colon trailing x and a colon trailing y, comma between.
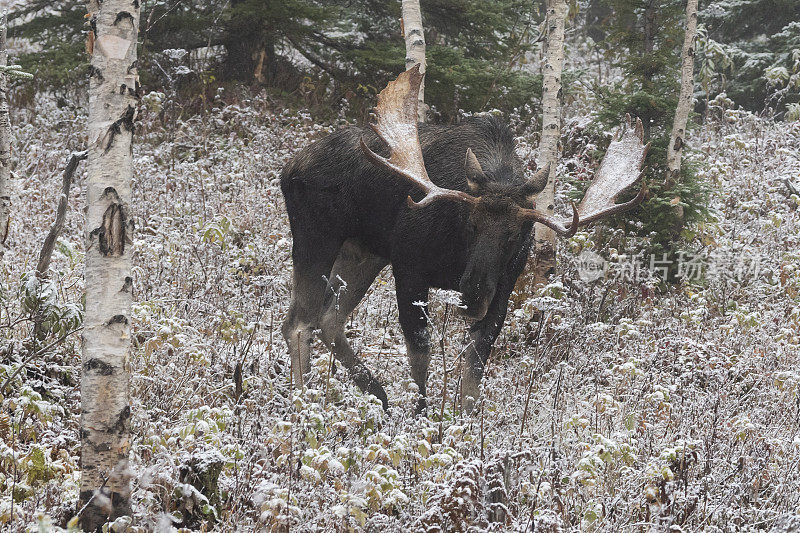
x: 50, y: 241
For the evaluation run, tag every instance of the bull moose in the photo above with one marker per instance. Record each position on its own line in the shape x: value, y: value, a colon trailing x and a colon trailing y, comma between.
x: 467, y: 228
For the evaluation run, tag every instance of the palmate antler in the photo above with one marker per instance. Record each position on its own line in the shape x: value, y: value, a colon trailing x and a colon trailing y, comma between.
x: 396, y: 125
x: 619, y: 170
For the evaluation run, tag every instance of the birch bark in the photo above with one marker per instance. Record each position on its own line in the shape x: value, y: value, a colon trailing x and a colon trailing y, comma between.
x: 5, y: 140
x: 415, y: 48
x: 105, y: 402
x: 545, y: 238
x: 678, y: 134
x: 676, y: 138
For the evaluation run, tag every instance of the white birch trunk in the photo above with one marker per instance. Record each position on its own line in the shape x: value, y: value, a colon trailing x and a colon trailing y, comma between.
x: 678, y: 134
x: 415, y: 48
x: 676, y: 139
x: 5, y: 141
x: 545, y: 238
x: 105, y: 402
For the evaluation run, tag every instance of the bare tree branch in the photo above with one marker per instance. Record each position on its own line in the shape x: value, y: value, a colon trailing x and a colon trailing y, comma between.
x: 49, y: 242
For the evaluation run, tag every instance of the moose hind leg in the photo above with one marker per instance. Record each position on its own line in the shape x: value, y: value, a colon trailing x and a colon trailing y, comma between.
x: 312, y: 263
x: 352, y: 274
x: 414, y: 321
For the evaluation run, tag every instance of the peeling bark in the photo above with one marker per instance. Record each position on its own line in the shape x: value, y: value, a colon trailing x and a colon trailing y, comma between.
x: 414, y: 35
x: 105, y: 417
x: 545, y: 238
x: 5, y: 141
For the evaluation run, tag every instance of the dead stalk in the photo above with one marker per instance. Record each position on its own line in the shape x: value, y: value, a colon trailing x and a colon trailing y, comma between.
x: 444, y: 370
x: 530, y: 382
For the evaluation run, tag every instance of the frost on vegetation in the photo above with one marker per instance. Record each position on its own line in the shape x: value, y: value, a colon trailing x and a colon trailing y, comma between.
x: 625, y: 406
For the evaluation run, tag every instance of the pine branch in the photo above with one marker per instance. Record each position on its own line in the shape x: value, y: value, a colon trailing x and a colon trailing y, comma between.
x: 15, y: 72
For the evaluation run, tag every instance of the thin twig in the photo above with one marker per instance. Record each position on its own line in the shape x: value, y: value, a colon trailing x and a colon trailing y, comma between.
x: 91, y: 499
x: 35, y: 354
x: 792, y: 187
x: 445, y: 372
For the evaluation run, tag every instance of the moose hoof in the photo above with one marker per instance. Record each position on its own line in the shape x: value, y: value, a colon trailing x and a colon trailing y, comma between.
x: 365, y: 381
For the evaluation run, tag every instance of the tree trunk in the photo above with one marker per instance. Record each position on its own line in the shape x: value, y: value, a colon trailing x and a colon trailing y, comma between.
x: 105, y: 401
x: 415, y: 48
x: 676, y: 138
x: 264, y: 71
x: 245, y: 48
x: 5, y: 141
x: 545, y: 238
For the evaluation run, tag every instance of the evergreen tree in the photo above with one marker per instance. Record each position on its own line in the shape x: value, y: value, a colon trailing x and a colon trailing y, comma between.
x: 57, y: 29
x: 342, y: 46
x: 643, y: 39
x: 760, y: 43
x: 255, y: 28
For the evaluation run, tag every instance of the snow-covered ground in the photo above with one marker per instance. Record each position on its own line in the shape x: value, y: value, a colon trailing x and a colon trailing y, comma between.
x: 624, y: 408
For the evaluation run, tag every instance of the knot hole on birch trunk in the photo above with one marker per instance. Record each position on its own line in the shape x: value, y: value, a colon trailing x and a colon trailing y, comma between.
x: 112, y: 233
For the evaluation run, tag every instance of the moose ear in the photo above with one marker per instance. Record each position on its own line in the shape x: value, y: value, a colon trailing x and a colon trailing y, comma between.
x: 475, y: 176
x: 536, y: 184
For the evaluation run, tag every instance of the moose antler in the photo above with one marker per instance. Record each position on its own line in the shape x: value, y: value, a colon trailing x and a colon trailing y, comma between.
x: 396, y: 125
x: 621, y: 168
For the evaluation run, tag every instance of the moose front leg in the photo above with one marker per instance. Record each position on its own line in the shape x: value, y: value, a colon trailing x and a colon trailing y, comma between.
x: 482, y: 336
x: 484, y: 332
x: 352, y: 274
x: 414, y: 321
